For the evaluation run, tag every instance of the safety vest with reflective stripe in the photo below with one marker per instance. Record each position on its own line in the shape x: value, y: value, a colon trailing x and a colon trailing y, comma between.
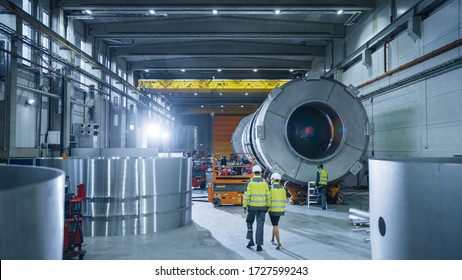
x: 278, y: 200
x: 322, y: 176
x: 257, y: 195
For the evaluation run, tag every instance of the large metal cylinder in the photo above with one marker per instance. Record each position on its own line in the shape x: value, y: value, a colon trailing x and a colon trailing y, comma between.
x: 128, y: 196
x: 75, y: 169
x: 415, y: 208
x: 112, y: 204
x: 31, y: 213
x: 165, y: 194
x: 302, y: 124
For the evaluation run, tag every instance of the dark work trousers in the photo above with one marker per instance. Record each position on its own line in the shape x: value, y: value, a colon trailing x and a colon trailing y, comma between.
x: 260, y: 223
x: 323, y: 191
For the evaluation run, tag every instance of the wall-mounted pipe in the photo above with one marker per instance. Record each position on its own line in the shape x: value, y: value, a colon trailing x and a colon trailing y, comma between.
x: 416, y: 61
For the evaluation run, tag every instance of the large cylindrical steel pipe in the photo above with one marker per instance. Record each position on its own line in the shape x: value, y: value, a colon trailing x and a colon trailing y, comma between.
x: 112, y: 204
x: 128, y: 196
x: 31, y: 213
x: 302, y: 124
x: 415, y: 208
x: 165, y: 194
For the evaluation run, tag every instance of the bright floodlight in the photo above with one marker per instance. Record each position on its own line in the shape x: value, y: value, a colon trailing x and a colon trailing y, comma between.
x: 165, y: 135
x: 153, y: 130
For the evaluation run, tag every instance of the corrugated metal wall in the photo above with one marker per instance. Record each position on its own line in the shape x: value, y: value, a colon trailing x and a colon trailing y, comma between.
x: 222, y: 130
x: 421, y: 118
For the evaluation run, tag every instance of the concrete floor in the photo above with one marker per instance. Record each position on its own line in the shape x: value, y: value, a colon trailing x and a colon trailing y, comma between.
x: 219, y: 234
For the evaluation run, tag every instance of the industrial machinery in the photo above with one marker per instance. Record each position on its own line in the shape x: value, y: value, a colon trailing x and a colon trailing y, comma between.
x: 229, y: 178
x: 73, y: 233
x: 199, y: 169
x: 303, y: 123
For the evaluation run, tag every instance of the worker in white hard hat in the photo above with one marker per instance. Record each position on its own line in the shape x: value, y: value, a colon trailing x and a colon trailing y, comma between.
x: 277, y: 206
x: 256, y: 203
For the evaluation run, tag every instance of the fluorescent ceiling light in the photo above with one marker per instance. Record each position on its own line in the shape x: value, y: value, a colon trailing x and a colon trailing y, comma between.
x: 255, y: 70
x: 88, y: 12
x: 339, y: 12
x: 183, y: 70
x: 219, y: 70
x: 277, y: 12
x: 215, y: 12
x: 152, y: 12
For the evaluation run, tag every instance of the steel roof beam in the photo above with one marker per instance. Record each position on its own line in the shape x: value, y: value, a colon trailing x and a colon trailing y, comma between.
x: 257, y: 5
x: 218, y: 28
x: 220, y: 48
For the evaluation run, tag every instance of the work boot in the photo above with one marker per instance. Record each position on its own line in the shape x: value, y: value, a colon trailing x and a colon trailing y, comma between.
x: 259, y: 248
x: 250, y: 244
x: 278, y: 247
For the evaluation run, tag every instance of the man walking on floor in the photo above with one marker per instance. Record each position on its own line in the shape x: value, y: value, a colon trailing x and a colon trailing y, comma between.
x: 257, y: 200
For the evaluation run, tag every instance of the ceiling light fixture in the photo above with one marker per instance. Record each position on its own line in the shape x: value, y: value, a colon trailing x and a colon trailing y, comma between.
x: 221, y: 93
x: 195, y: 94
x: 242, y: 106
x: 339, y: 12
x: 291, y: 70
x: 152, y: 12
x: 255, y: 70
x: 222, y: 106
x: 146, y: 70
x: 277, y: 12
x: 215, y: 12
x: 246, y: 93
x: 183, y: 70
x: 87, y: 12
x: 219, y: 70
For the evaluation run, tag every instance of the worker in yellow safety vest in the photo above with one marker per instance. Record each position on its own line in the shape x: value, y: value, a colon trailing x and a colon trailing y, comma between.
x: 277, y: 206
x: 256, y: 203
x: 321, y: 182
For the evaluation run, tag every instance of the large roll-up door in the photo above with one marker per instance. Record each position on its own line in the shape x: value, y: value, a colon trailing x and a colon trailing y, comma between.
x: 222, y: 130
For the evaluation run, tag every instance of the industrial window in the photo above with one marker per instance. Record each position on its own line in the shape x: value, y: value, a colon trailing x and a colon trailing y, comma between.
x: 26, y: 31
x: 45, y: 41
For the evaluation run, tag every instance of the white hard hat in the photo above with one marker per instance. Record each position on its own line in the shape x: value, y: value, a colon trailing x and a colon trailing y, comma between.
x: 276, y: 176
x: 256, y: 168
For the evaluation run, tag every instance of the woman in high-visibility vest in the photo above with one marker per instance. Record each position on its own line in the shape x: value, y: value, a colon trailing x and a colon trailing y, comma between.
x: 277, y: 207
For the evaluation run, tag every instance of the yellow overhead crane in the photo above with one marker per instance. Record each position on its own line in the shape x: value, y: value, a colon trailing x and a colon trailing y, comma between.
x: 231, y: 86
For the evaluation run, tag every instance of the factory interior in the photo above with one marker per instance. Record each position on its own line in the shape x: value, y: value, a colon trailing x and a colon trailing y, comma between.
x: 132, y: 130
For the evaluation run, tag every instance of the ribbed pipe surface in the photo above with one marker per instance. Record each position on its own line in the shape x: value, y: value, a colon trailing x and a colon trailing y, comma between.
x: 302, y: 124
